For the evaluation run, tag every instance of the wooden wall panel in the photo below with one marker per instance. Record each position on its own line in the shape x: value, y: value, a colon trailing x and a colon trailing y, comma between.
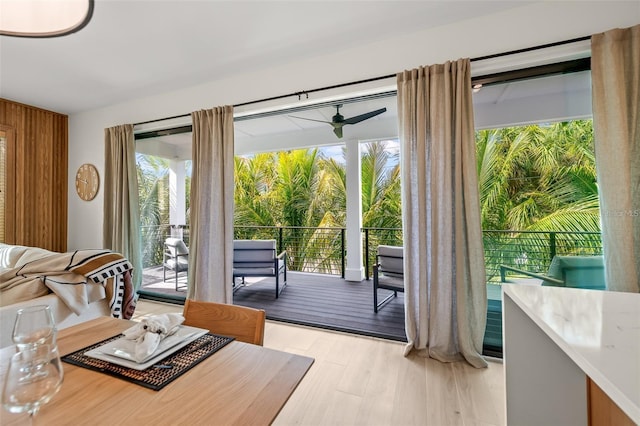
x: 59, y: 178
x: 9, y: 184
x: 41, y: 167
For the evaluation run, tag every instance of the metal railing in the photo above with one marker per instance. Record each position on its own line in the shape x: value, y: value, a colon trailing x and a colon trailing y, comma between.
x: 373, y: 237
x: 529, y: 250
x: 317, y: 250
x: 323, y: 250
x: 153, y: 237
x: 533, y: 251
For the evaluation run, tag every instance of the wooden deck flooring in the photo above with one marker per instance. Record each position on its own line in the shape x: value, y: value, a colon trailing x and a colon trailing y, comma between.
x: 315, y: 300
x: 328, y: 302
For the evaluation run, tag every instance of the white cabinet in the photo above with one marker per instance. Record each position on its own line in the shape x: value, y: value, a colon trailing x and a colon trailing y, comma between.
x: 556, y: 338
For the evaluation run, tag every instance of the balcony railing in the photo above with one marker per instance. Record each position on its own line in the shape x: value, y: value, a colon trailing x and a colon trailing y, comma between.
x: 532, y: 250
x: 529, y: 250
x: 318, y: 250
x: 323, y: 250
x: 153, y: 241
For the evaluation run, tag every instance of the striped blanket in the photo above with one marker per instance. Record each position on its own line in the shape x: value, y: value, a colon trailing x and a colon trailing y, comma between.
x: 78, y: 278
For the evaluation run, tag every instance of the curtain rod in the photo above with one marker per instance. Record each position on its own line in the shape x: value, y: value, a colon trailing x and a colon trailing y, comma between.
x: 384, y: 77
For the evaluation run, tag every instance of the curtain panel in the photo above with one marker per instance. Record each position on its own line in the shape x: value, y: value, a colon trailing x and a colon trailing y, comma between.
x: 211, y: 206
x: 615, y: 76
x: 445, y: 289
x: 121, y: 211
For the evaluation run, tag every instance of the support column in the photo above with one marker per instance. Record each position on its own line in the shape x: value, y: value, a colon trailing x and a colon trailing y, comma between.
x: 354, y: 269
x: 177, y: 196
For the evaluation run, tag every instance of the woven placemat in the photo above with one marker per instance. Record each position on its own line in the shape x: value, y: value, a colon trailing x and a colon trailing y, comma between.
x: 157, y: 376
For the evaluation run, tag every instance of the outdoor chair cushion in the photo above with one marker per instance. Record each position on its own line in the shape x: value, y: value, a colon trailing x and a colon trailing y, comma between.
x: 391, y: 261
x: 388, y: 273
x: 568, y: 271
x: 258, y: 258
x: 178, y: 255
x: 390, y: 282
x: 258, y: 271
x: 578, y: 271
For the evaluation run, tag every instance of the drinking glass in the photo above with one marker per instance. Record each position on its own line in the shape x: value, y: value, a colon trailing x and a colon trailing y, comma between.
x: 33, y: 378
x: 34, y: 326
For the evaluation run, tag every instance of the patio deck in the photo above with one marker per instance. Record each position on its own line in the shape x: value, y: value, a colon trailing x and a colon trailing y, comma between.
x: 315, y: 300
x: 329, y: 302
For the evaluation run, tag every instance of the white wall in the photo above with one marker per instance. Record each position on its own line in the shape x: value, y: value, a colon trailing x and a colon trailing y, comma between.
x: 517, y: 28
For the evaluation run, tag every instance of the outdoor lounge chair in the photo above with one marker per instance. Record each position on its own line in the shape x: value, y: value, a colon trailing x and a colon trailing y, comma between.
x: 388, y: 273
x: 568, y: 271
x: 258, y: 258
x: 175, y: 258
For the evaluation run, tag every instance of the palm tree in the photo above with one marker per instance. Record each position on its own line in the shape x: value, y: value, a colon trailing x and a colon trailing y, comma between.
x: 153, y: 192
x: 254, y: 200
x: 381, y: 205
x: 289, y: 189
x: 537, y: 178
x: 306, y: 201
x: 304, y: 190
x: 381, y: 199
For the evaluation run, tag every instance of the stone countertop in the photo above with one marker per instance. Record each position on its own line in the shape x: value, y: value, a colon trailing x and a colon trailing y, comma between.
x: 598, y: 330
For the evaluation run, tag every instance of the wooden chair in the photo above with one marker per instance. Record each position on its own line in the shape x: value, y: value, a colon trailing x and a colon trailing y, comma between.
x: 243, y: 323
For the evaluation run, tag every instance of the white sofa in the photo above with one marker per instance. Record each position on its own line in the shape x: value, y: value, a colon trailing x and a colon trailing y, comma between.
x: 62, y: 314
x: 15, y: 256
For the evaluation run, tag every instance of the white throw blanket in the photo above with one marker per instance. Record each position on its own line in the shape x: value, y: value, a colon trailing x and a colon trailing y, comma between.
x: 149, y: 332
x: 77, y: 278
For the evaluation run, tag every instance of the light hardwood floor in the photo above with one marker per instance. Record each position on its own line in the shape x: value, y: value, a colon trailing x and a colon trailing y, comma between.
x: 366, y: 381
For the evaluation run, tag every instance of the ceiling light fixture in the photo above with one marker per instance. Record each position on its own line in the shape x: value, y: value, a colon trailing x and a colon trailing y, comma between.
x: 44, y: 18
x: 476, y: 88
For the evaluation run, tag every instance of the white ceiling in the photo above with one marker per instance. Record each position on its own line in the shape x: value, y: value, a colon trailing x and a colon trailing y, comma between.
x: 551, y: 98
x: 283, y: 129
x: 132, y: 49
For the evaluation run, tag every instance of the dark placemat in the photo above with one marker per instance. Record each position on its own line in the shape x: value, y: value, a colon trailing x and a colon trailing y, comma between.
x: 157, y: 376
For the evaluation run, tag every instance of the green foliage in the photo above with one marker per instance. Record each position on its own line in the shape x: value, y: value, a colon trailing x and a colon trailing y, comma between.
x: 533, y: 180
x: 526, y: 174
x: 538, y: 179
x: 153, y: 192
x: 381, y: 205
x: 306, y: 193
x: 254, y: 190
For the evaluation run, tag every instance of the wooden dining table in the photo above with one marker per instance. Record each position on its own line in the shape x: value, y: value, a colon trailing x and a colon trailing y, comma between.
x: 240, y: 384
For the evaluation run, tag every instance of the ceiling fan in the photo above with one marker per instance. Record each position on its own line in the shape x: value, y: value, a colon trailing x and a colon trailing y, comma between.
x: 338, y: 121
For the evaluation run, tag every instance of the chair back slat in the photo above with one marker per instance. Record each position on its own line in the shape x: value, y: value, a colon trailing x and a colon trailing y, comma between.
x: 254, y: 253
x: 244, y: 323
x: 391, y: 260
x: 176, y: 246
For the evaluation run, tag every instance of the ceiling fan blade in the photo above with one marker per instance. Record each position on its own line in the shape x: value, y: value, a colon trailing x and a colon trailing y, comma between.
x: 337, y: 121
x: 310, y: 119
x: 362, y: 117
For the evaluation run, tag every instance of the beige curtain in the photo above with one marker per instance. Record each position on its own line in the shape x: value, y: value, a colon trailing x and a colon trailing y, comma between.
x: 445, y: 292
x: 615, y: 74
x: 121, y: 226
x: 211, y: 231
